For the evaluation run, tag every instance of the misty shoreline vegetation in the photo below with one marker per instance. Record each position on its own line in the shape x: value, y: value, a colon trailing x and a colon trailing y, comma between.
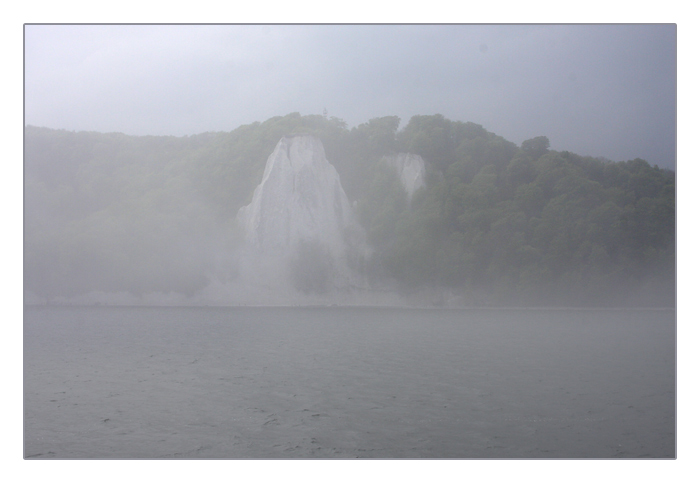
x: 152, y: 219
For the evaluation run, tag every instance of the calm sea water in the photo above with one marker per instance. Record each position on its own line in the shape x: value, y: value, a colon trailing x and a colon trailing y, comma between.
x: 146, y: 382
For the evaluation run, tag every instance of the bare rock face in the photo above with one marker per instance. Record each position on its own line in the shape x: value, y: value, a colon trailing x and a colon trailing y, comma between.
x: 300, y: 197
x: 300, y: 232
x: 411, y: 170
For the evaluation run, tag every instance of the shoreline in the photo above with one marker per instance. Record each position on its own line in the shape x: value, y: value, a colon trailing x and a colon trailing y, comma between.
x: 358, y: 306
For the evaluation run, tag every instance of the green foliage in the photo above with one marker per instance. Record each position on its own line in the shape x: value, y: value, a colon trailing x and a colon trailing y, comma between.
x: 379, y: 210
x: 535, y: 147
x: 359, y: 151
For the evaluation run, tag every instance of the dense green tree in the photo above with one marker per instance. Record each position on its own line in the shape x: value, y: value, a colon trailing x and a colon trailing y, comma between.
x: 535, y: 147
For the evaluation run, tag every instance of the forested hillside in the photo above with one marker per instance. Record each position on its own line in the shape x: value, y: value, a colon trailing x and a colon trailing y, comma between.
x: 496, y: 224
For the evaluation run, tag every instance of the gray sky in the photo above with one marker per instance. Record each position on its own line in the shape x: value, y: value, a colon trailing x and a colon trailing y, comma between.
x: 600, y: 90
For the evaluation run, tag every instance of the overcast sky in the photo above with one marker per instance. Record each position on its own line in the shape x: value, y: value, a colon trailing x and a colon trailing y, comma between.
x: 600, y: 90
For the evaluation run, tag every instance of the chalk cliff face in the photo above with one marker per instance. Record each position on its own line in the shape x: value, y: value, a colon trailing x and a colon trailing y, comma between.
x: 300, y: 197
x: 411, y: 170
x: 300, y: 233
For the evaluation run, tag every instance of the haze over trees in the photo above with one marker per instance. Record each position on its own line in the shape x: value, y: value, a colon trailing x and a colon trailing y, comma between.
x: 496, y: 223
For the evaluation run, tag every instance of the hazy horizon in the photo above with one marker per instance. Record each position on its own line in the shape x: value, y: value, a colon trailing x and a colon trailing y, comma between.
x: 599, y: 90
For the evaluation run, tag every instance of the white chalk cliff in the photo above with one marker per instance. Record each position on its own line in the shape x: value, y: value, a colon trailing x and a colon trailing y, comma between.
x: 300, y: 232
x: 411, y: 170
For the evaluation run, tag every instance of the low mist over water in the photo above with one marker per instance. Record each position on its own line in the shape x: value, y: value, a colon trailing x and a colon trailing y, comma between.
x: 348, y: 383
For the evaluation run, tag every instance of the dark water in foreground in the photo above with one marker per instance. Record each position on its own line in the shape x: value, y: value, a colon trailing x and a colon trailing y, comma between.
x: 128, y: 382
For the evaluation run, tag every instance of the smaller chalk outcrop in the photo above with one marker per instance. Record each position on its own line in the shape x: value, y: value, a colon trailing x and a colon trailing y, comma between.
x: 411, y: 170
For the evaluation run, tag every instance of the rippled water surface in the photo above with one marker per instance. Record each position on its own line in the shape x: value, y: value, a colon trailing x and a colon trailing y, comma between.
x: 146, y: 382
